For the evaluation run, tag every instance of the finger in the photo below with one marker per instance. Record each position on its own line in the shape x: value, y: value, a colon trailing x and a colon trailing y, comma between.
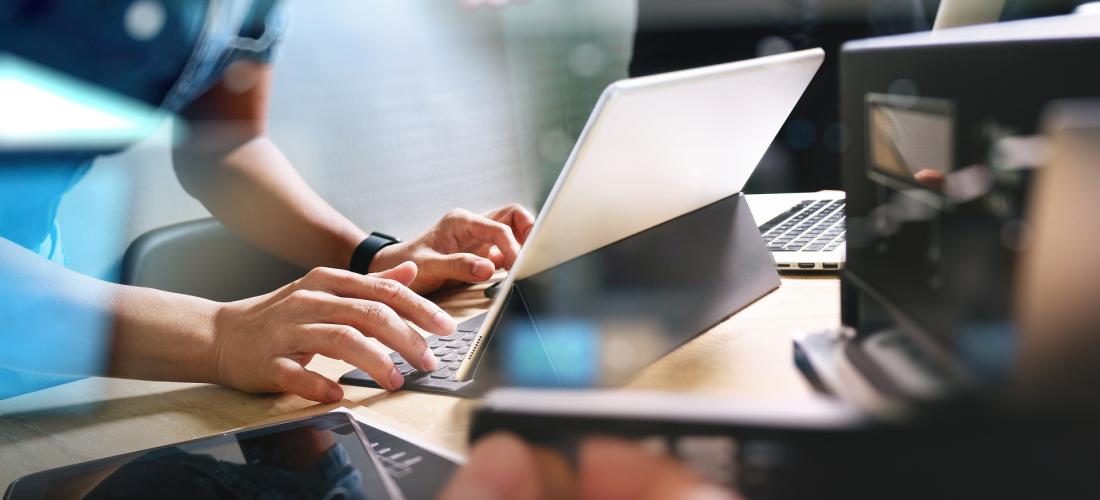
x: 499, y: 466
x: 348, y: 344
x: 404, y: 273
x: 496, y: 256
x: 381, y: 322
x: 612, y: 469
x: 387, y: 291
x: 464, y: 267
x: 517, y: 217
x: 296, y: 379
x: 491, y: 252
x: 409, y: 305
x: 487, y: 230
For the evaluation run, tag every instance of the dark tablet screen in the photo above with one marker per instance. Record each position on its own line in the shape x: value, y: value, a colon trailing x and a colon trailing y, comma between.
x: 317, y: 457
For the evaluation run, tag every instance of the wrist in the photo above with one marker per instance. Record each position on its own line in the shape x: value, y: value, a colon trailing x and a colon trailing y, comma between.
x: 210, y: 340
x: 196, y: 351
x: 386, y: 258
x: 164, y: 336
x: 365, y: 259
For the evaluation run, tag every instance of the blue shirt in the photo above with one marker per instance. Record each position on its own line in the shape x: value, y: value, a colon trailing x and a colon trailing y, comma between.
x: 163, y: 53
x: 91, y: 41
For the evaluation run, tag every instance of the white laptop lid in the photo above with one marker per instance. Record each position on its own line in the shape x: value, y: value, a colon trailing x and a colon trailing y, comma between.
x: 660, y: 146
x: 655, y: 148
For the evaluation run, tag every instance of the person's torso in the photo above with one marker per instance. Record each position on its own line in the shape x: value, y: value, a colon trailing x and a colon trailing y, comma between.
x: 161, y: 53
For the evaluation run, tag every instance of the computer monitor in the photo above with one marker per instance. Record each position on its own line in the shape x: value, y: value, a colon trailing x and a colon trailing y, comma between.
x: 937, y: 175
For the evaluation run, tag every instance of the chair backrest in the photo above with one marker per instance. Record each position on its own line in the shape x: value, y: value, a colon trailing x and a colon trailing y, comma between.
x: 204, y: 259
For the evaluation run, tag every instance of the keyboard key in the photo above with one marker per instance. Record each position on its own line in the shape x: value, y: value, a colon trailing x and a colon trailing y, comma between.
x: 404, y: 368
x: 454, y: 366
x: 809, y: 225
x: 441, y: 351
x: 444, y: 372
x: 471, y: 325
x: 434, y: 342
x: 453, y: 356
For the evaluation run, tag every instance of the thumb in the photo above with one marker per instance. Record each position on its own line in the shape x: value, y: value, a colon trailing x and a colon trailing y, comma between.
x: 403, y: 273
x: 465, y: 267
x: 295, y: 379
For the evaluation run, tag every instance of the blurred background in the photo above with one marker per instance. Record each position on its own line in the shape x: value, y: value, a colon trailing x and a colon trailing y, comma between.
x: 398, y: 111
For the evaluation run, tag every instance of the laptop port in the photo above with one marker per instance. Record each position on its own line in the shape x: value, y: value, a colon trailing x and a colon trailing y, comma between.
x: 783, y: 265
x: 830, y: 266
x: 803, y: 265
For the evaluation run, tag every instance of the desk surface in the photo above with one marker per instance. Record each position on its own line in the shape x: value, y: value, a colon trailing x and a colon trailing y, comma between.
x: 747, y: 356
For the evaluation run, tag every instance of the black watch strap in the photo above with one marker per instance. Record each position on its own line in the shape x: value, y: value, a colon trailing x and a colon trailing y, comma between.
x: 365, y: 252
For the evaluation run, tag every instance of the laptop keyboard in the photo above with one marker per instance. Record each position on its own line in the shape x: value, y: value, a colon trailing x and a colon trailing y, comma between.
x: 448, y: 350
x: 809, y: 226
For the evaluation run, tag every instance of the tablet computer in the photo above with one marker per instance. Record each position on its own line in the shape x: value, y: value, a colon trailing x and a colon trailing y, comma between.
x: 324, y: 456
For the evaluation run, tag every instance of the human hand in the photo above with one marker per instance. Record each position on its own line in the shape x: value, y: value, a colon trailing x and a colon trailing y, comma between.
x: 462, y: 247
x: 262, y: 344
x: 501, y: 466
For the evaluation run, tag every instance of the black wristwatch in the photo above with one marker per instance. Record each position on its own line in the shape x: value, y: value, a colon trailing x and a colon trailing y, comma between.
x: 365, y: 252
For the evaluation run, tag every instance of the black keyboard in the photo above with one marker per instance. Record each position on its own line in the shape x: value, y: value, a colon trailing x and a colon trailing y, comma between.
x: 809, y: 226
x: 448, y: 350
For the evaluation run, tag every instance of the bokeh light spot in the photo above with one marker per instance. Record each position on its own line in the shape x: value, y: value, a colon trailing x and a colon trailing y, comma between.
x: 800, y: 134
x: 144, y: 19
x: 772, y: 45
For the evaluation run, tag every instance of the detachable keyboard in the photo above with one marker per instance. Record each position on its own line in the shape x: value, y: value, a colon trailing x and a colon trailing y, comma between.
x: 809, y: 226
x: 448, y: 350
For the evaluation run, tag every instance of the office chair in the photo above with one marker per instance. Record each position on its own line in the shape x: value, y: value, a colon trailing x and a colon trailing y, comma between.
x: 204, y: 259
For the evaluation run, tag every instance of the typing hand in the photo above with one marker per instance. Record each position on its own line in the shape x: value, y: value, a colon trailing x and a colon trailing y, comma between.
x: 501, y: 466
x: 262, y: 344
x: 463, y: 247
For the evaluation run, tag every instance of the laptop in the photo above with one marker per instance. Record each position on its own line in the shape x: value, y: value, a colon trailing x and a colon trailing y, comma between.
x: 804, y: 231
x: 654, y: 149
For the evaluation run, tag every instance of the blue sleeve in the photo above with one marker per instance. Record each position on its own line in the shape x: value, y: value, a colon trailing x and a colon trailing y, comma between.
x: 262, y: 31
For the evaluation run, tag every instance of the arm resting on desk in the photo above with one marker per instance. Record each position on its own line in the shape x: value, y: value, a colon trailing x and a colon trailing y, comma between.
x: 58, y: 321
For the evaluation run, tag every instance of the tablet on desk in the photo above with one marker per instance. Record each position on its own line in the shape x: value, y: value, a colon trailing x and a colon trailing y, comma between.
x: 325, y: 456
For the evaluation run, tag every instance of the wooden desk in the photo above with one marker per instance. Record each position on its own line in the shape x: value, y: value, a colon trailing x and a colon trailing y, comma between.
x: 747, y: 356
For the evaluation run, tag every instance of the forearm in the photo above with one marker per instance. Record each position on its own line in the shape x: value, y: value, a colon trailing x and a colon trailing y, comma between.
x: 163, y: 336
x: 256, y: 193
x: 54, y: 320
